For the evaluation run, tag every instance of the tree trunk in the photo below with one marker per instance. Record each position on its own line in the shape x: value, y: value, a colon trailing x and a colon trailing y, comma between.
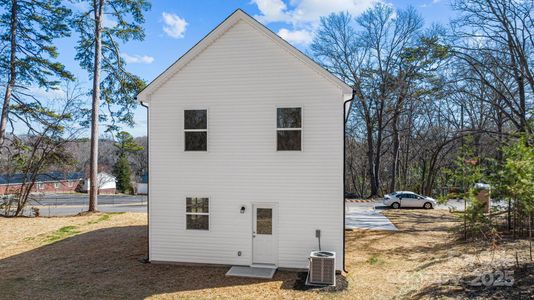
x: 509, y: 218
x: 423, y: 175
x: 93, y: 188
x: 378, y: 151
x: 522, y: 105
x: 407, y: 149
x: 12, y: 72
x: 370, y: 159
x: 530, y: 233
x: 396, y: 148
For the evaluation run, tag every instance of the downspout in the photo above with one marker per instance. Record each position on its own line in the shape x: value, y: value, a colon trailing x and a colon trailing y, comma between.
x: 345, y: 117
x: 147, y: 259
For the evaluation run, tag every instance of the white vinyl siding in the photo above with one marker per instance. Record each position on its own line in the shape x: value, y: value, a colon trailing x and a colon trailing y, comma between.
x: 242, y: 77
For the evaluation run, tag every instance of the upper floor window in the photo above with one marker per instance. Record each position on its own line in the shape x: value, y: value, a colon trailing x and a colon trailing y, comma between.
x: 289, y: 129
x: 196, y: 130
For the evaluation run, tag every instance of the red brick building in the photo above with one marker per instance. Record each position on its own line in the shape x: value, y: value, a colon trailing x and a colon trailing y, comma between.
x: 54, y: 182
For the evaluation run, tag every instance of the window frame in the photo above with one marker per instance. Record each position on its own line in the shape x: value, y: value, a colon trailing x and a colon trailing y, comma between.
x: 197, y: 213
x: 40, y: 185
x: 301, y: 128
x: 56, y: 185
x: 196, y: 130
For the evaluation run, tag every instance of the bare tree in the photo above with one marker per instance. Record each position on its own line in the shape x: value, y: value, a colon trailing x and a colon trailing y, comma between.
x: 381, y: 56
x: 49, y: 129
x: 497, y: 42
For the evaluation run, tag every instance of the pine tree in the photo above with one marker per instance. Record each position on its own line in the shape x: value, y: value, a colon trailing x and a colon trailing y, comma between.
x: 125, y: 145
x: 29, y: 28
x: 517, y: 179
x: 122, y: 171
x: 98, y: 52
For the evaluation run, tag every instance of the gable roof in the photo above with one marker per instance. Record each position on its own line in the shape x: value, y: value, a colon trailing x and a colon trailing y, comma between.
x: 238, y: 15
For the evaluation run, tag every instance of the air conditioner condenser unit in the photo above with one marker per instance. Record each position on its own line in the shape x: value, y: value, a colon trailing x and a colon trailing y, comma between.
x: 322, y: 269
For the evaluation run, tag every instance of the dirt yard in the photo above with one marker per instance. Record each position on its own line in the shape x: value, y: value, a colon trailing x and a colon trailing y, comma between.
x: 98, y: 256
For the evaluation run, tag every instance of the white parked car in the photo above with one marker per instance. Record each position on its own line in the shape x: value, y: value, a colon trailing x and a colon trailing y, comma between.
x: 408, y: 199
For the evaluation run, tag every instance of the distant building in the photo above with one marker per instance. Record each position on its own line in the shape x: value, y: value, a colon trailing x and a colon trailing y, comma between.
x: 106, y: 184
x: 142, y: 185
x: 54, y: 182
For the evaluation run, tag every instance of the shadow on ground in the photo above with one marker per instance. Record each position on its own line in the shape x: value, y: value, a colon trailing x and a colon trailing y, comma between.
x: 105, y: 263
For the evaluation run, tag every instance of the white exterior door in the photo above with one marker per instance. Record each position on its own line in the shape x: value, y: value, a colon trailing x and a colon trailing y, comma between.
x: 264, y: 238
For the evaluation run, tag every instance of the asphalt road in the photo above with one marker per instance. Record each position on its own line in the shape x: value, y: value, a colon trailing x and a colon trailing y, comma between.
x: 82, y: 199
x: 72, y: 204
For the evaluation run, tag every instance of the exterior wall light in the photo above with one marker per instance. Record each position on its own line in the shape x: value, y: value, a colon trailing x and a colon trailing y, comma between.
x: 242, y: 210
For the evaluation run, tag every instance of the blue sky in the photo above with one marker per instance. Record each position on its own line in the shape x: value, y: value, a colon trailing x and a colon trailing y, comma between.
x: 173, y: 27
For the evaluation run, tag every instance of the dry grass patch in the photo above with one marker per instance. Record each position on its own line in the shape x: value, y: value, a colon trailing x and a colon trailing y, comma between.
x: 97, y: 256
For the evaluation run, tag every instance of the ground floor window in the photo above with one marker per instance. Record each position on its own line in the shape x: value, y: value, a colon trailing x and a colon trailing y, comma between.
x: 197, y: 213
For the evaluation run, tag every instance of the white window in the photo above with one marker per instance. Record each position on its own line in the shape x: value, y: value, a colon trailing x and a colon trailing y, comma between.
x: 196, y: 130
x: 40, y: 185
x: 289, y: 129
x: 197, y: 213
x: 56, y: 185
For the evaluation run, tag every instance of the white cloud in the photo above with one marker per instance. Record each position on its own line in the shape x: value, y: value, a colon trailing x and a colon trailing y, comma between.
x: 271, y: 11
x: 299, y: 37
x: 78, y: 6
x: 137, y: 59
x: 174, y: 25
x: 109, y: 22
x: 304, y: 12
x: 84, y: 6
x: 303, y: 16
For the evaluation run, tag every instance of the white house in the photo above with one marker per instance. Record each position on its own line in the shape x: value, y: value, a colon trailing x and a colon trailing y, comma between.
x: 141, y: 187
x: 106, y: 184
x: 246, y: 152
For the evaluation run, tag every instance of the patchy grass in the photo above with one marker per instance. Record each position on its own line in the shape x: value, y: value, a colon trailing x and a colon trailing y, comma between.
x: 61, y: 233
x: 98, y: 256
x: 374, y: 260
x: 105, y: 217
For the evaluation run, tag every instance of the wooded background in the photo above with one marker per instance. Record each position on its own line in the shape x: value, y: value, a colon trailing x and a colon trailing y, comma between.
x: 423, y: 93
